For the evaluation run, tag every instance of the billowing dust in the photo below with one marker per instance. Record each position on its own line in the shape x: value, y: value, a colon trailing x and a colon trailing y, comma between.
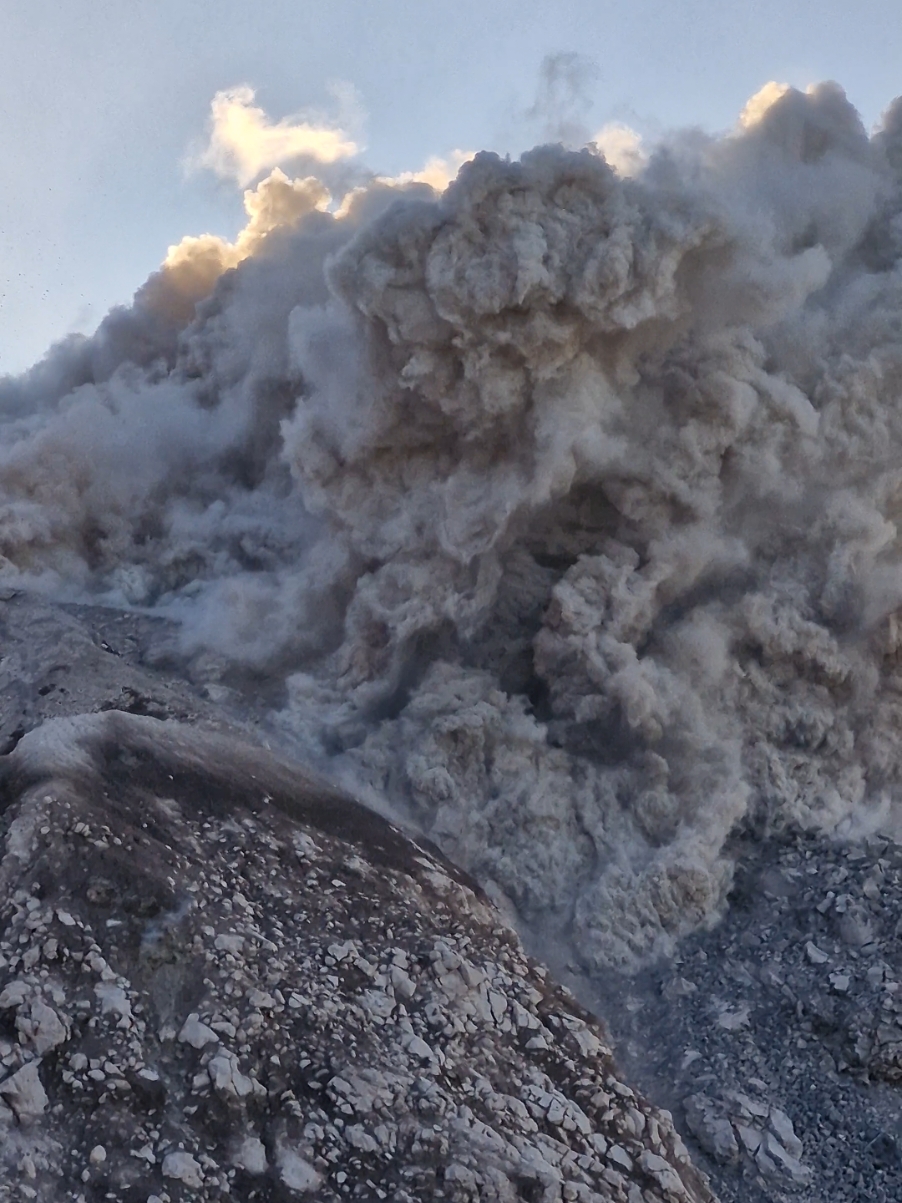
x: 565, y: 502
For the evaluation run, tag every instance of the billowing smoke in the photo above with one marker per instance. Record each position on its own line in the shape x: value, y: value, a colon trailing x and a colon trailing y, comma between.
x: 565, y: 501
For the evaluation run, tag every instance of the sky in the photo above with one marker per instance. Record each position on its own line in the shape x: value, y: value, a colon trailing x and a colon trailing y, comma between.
x: 105, y: 106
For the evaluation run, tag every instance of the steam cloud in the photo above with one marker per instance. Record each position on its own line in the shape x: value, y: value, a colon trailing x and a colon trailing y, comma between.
x: 566, y: 503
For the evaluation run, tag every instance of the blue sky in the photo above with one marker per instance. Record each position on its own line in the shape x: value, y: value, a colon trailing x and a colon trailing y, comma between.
x: 102, y: 103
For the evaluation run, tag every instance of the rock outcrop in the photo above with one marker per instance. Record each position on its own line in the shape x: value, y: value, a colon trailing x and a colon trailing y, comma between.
x: 221, y: 978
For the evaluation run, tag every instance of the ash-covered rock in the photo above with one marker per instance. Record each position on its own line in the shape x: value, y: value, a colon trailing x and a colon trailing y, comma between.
x: 219, y: 978
x: 776, y: 1038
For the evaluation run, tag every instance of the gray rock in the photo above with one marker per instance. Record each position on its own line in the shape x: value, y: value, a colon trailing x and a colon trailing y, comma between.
x: 711, y: 1128
x: 781, y: 1126
x: 197, y: 1034
x: 25, y: 1094
x: 183, y: 1167
x: 250, y: 1155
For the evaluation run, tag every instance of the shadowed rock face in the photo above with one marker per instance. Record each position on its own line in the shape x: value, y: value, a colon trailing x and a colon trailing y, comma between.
x: 221, y: 978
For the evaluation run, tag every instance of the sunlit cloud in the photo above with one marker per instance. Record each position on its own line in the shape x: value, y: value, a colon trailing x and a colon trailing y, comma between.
x: 758, y: 105
x: 438, y: 172
x: 621, y: 147
x: 278, y: 202
x: 244, y: 141
x: 193, y: 265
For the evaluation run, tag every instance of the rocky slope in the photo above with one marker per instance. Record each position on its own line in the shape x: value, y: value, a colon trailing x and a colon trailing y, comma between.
x: 219, y: 978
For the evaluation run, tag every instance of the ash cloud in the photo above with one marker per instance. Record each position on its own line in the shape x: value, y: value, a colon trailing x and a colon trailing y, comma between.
x: 563, y: 98
x: 565, y: 501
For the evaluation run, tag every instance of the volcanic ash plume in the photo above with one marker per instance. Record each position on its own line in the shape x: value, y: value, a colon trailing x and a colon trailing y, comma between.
x: 566, y: 503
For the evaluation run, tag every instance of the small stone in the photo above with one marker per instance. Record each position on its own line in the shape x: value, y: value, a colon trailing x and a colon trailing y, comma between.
x: 42, y: 1028
x: 229, y: 943
x: 735, y: 1020
x: 781, y: 1126
x: 251, y: 1156
x: 884, y: 1151
x: 13, y: 995
x: 418, y: 1047
x: 713, y: 1132
x: 114, y: 1001
x: 25, y: 1093
x: 297, y: 1173
x: 750, y: 1137
x: 678, y: 987
x: 664, y: 1174
x: 195, y: 1033
x: 814, y: 954
x: 620, y: 1158
x: 227, y: 1078
x: 782, y: 1158
x: 97, y: 1155
x: 183, y: 1168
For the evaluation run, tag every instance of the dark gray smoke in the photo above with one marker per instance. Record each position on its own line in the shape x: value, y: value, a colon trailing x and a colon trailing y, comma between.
x: 566, y: 503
